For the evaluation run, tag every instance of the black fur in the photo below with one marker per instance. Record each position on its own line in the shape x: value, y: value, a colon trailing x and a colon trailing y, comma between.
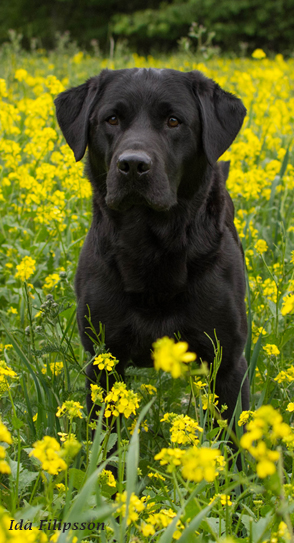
x: 162, y: 254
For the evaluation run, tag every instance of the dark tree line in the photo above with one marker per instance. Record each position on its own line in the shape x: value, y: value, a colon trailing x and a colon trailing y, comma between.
x: 257, y: 23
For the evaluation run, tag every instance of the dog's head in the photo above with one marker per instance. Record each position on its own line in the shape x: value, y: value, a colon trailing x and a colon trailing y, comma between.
x: 152, y: 133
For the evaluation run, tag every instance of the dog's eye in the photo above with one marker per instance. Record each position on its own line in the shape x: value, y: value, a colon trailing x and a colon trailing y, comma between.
x: 173, y: 122
x: 112, y: 120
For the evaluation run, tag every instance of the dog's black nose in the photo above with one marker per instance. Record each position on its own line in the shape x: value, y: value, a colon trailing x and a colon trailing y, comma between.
x: 134, y: 163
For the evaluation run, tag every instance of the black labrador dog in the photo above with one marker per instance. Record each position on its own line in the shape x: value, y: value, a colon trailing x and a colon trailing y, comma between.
x: 162, y: 254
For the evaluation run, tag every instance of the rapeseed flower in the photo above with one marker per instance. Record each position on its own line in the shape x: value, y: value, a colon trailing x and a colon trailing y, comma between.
x: 209, y: 399
x: 245, y: 417
x: 285, y: 375
x: 121, y: 401
x: 261, y: 246
x: 258, y: 54
x: 96, y: 393
x: 71, y: 409
x: 170, y: 458
x: 288, y: 305
x: 105, y: 361
x: 55, y: 368
x: 51, y: 281
x: 136, y: 506
x: 106, y: 478
x: 161, y: 520
x: 149, y: 389
x: 266, y: 426
x: 203, y: 463
x: 271, y: 350
x: 48, y: 452
x: 172, y: 357
x: 26, y: 268
x: 5, y: 437
x: 183, y: 429
x: 5, y: 373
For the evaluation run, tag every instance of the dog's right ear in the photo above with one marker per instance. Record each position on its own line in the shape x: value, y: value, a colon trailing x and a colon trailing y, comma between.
x: 73, y: 109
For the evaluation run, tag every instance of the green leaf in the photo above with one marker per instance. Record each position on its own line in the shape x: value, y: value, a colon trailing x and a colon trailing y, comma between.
x: 77, y: 477
x: 16, y: 422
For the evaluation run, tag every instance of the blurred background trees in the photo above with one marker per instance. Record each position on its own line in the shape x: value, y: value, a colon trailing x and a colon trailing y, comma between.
x: 152, y: 26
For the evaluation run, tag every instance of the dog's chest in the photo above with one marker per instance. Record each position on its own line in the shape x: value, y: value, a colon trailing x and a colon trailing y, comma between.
x: 152, y: 261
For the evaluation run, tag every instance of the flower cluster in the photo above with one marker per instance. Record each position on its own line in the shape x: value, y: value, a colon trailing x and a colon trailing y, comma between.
x: 172, y: 357
x: 204, y: 463
x: 55, y: 368
x: 285, y: 375
x: 170, y: 457
x: 96, y: 393
x: 105, y: 361
x: 26, y: 268
x: 266, y: 426
x: 136, y: 506
x: 71, y: 409
x: 5, y: 373
x: 106, y: 478
x: 48, y: 452
x: 161, y: 520
x: 121, y: 401
x: 5, y: 437
x: 183, y: 429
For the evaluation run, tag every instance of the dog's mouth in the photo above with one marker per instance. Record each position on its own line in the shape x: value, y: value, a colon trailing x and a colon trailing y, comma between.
x: 135, y: 200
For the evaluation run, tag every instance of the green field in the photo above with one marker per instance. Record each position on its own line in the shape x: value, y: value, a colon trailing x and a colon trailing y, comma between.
x: 177, y: 478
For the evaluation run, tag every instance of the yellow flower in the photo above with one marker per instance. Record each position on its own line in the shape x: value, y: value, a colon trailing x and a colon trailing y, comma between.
x: 225, y: 499
x: 47, y: 451
x: 156, y: 476
x: 290, y: 407
x: 264, y: 468
x: 106, y: 477
x: 199, y: 464
x: 245, y: 417
x: 21, y: 74
x: 51, y: 281
x: 271, y: 350
x: 162, y: 519
x: 71, y: 409
x: 288, y: 305
x: 170, y: 457
x: 258, y: 54
x: 136, y: 506
x: 26, y: 268
x: 287, y: 375
x: 105, y: 361
x: 147, y: 529
x: 121, y: 401
x: 172, y: 357
x: 96, y: 393
x: 184, y: 430
x: 150, y: 389
x: 5, y: 435
x: 209, y: 399
x: 266, y: 426
x: 261, y: 246
x: 78, y: 57
x: 55, y: 368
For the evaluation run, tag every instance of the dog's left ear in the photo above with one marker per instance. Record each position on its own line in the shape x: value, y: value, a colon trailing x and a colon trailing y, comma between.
x: 73, y: 108
x: 222, y: 115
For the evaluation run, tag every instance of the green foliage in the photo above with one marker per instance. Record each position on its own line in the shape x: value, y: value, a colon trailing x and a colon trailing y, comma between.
x: 238, y: 24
